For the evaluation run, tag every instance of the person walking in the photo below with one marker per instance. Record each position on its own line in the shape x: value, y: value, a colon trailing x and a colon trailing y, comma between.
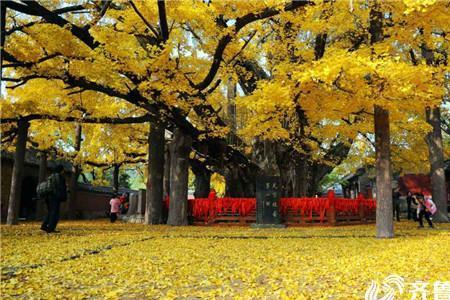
x: 123, y: 203
x: 57, y: 193
x: 425, y: 208
x: 115, y: 208
x: 409, y: 201
x: 396, y: 203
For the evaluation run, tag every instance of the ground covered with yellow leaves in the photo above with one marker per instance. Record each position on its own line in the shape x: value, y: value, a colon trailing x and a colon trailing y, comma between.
x: 98, y: 260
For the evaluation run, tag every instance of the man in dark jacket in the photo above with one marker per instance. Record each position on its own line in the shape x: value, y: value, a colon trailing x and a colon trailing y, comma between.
x: 409, y: 202
x: 57, y: 195
x: 396, y: 203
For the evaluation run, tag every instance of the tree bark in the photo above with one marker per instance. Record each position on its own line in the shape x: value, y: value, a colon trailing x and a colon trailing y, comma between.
x: 116, y: 171
x: 435, y: 148
x: 233, y: 186
x: 384, y: 214
x: 231, y: 110
x: 3, y: 30
x: 264, y: 155
x: 76, y: 170
x: 166, y: 187
x: 287, y: 178
x: 42, y: 166
x: 179, y: 165
x: 155, y: 179
x: 18, y: 168
x: 42, y: 177
x: 436, y: 158
x: 202, y: 179
x: 316, y: 173
x: 239, y: 183
x: 301, y: 178
x: 285, y: 158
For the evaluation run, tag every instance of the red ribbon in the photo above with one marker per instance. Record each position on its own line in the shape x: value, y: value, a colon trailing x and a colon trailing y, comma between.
x: 346, y: 205
x: 207, y: 209
x: 305, y: 206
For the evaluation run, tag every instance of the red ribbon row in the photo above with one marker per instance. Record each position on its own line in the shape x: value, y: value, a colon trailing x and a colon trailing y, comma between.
x: 208, y: 208
x: 305, y: 206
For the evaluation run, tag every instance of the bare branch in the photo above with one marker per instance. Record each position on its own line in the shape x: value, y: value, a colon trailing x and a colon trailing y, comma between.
x: 147, y: 23
x: 243, y: 47
x: 87, y: 120
x: 188, y: 28
x: 30, y: 64
x: 97, y: 19
x: 164, y: 28
x: 35, y: 9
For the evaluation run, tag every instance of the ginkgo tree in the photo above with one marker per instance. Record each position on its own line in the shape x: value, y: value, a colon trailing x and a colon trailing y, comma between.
x: 317, y: 76
x: 111, y: 138
x: 336, y: 74
x: 349, y: 97
x: 91, y: 59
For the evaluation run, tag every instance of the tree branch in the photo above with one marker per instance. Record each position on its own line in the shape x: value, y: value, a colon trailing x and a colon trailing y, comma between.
x: 163, y: 20
x: 106, y: 4
x: 86, y: 120
x: 241, y: 22
x: 147, y: 23
x: 35, y: 9
x: 243, y: 46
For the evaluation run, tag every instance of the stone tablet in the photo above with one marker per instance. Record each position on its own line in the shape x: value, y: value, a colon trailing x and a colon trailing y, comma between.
x: 267, y: 200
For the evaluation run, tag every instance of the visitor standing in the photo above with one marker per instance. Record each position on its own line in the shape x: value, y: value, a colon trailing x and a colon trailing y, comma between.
x: 57, y: 193
x: 123, y: 203
x: 396, y: 203
x: 115, y: 208
x: 409, y: 201
x: 425, y: 208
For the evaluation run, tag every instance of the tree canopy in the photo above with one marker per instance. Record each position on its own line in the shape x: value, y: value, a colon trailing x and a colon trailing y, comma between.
x: 238, y: 77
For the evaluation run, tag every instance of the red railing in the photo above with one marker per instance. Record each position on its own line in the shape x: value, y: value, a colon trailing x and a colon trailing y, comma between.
x: 207, y: 209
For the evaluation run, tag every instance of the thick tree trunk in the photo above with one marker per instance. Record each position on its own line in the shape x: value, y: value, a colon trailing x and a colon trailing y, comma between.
x: 384, y: 214
x: 76, y: 170
x: 155, y: 179
x: 285, y: 159
x: 268, y: 182
x: 301, y: 179
x: 166, y: 187
x: 436, y: 158
x: 16, y: 180
x: 202, y: 179
x: 264, y: 155
x: 239, y: 182
x: 234, y: 186
x: 73, y: 185
x: 231, y: 110
x: 42, y: 166
x: 40, y: 205
x: 116, y: 171
x: 287, y: 180
x: 312, y: 181
x: 179, y: 173
x: 249, y: 181
x: 3, y: 30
